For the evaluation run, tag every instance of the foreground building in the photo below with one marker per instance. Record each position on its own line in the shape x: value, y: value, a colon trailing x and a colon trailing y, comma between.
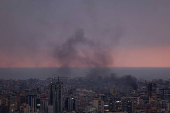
x: 56, y: 96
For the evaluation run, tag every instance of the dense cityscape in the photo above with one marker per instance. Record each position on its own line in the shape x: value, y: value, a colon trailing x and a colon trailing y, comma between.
x: 109, y: 94
x: 84, y: 56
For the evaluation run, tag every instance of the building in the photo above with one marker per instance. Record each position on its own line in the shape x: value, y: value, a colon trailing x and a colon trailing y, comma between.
x: 82, y: 98
x: 25, y: 108
x: 99, y: 105
x: 21, y: 99
x: 56, y: 96
x: 51, y: 94
x: 36, y: 104
x: 114, y: 91
x: 165, y: 93
x: 4, y: 109
x: 70, y: 104
x: 13, y: 104
x: 44, y: 104
x: 31, y: 101
x: 50, y: 109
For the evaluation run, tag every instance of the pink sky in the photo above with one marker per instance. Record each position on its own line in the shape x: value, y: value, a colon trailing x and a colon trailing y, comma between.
x: 143, y: 57
x: 138, y: 30
x: 129, y: 57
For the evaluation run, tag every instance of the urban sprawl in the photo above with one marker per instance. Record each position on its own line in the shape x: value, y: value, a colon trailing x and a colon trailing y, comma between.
x: 93, y: 94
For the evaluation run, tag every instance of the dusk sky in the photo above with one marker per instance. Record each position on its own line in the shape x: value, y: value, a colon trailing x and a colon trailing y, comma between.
x: 135, y: 32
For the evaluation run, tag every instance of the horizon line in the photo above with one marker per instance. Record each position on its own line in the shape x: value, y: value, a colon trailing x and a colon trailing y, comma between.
x: 85, y: 67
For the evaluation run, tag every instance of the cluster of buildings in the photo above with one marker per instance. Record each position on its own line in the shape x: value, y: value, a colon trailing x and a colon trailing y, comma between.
x: 54, y: 96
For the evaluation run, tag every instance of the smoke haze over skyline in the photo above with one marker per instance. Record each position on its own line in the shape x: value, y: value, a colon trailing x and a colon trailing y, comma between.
x: 136, y: 33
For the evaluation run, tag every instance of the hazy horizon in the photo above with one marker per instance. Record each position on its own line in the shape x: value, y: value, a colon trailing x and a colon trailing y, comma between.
x: 43, y: 73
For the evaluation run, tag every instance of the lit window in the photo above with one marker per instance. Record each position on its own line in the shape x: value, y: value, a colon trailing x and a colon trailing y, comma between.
x: 106, y: 105
x: 38, y: 104
x: 118, y: 101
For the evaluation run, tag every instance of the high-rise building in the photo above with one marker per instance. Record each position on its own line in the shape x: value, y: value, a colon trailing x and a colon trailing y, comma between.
x: 69, y: 104
x: 31, y: 101
x: 13, y: 103
x: 56, y: 96
x: 44, y: 104
x: 51, y: 94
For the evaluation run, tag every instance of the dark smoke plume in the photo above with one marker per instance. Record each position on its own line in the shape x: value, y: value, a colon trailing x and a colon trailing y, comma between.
x: 129, y: 80
x: 79, y: 50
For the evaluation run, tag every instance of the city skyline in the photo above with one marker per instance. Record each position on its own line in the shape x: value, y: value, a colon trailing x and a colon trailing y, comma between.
x: 84, y: 56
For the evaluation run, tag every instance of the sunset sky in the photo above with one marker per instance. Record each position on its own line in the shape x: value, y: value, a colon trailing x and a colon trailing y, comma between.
x: 135, y: 32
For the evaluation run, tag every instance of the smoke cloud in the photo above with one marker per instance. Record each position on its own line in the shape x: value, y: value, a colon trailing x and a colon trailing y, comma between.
x: 81, y: 51
x: 78, y: 50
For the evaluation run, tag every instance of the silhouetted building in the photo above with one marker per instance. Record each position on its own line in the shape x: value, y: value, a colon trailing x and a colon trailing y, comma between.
x: 56, y: 96
x: 13, y: 103
x: 31, y: 101
x: 4, y: 109
x: 51, y: 94
x: 70, y: 104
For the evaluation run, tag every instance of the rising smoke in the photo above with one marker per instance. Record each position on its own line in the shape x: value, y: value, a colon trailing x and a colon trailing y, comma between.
x: 81, y: 51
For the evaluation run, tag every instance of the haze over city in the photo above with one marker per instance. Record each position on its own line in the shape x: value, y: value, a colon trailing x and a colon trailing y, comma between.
x: 84, y: 56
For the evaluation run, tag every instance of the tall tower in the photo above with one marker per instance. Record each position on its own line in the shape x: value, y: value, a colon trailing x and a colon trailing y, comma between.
x: 51, y: 93
x: 56, y: 96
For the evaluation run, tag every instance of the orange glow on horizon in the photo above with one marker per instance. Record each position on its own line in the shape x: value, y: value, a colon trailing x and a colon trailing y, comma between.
x: 129, y: 57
